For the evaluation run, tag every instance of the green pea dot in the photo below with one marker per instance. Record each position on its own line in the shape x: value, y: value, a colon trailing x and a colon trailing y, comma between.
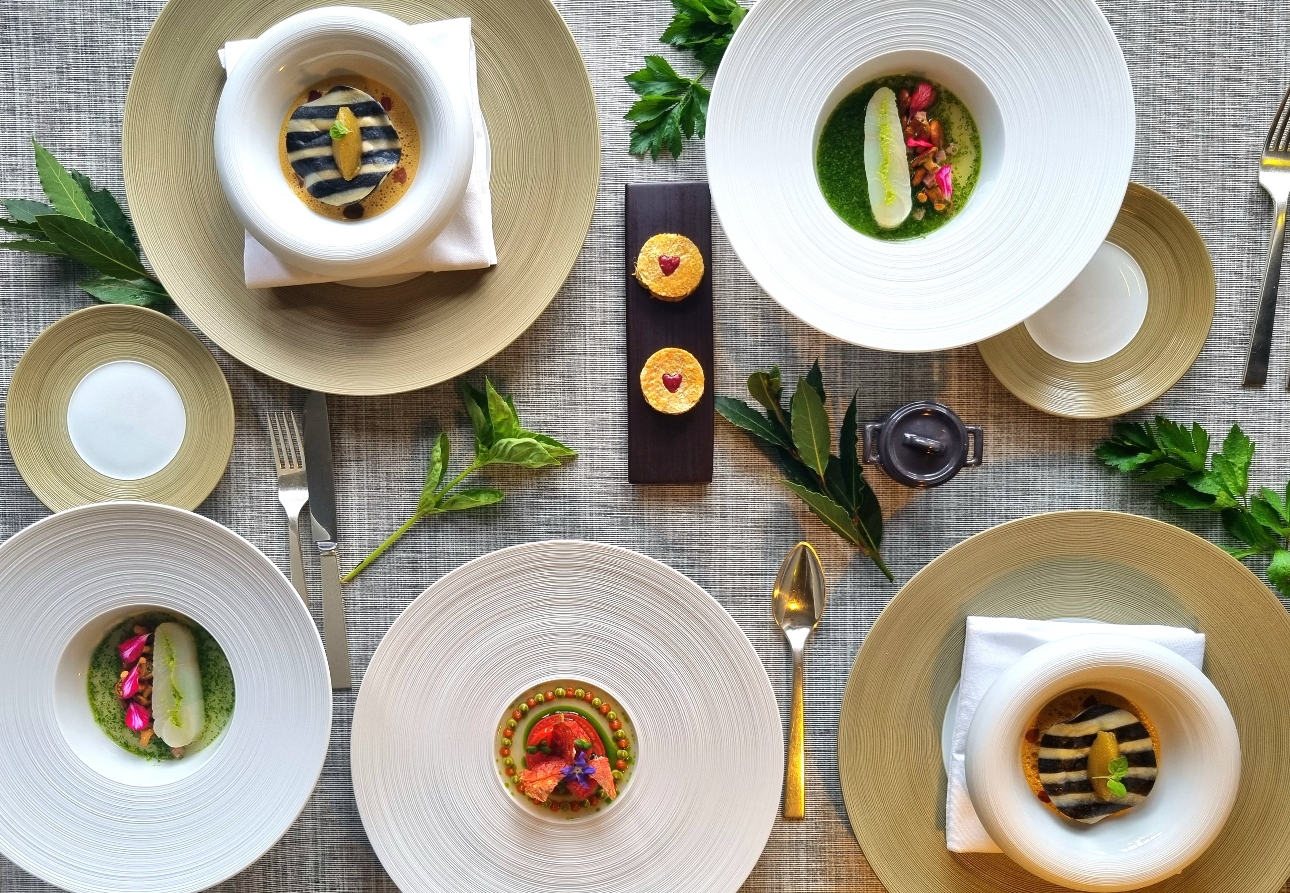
x: 565, y: 807
x: 622, y: 754
x: 578, y: 693
x: 596, y: 702
x: 618, y: 775
x: 559, y: 692
x: 539, y: 697
x: 508, y: 762
x: 611, y: 716
x: 510, y: 723
x: 524, y: 708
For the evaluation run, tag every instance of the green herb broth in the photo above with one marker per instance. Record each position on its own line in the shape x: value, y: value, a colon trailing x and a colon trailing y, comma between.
x: 218, y: 692
x: 839, y: 159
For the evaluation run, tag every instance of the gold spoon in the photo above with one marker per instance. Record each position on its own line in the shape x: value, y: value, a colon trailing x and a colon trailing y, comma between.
x: 798, y: 604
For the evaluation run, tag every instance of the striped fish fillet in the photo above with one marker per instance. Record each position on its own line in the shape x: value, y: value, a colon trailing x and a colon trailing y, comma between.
x: 309, y: 149
x: 1063, y: 762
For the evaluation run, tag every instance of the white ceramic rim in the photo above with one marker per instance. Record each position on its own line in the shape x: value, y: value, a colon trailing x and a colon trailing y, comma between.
x: 84, y: 829
x: 601, y: 613
x: 1200, y: 765
x: 286, y: 59
x: 1006, y: 255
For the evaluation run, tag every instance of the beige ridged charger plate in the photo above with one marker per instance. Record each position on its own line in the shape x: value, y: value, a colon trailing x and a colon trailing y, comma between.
x: 1180, y: 308
x: 1102, y: 565
x: 542, y: 123
x: 47, y: 377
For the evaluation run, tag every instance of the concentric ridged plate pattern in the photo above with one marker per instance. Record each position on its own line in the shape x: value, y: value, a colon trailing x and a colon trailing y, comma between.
x: 1105, y: 566
x: 1064, y: 150
x: 57, y: 361
x: 1180, y: 309
x: 543, y: 129
x: 80, y: 830
x: 702, y: 797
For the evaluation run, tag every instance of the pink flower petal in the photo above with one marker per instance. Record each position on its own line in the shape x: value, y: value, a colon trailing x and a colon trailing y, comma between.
x: 131, y: 649
x: 923, y: 143
x: 136, y: 717
x: 130, y: 684
x: 945, y: 180
x: 922, y: 98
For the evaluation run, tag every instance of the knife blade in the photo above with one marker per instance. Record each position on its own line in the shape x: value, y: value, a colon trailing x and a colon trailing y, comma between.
x: 322, y: 516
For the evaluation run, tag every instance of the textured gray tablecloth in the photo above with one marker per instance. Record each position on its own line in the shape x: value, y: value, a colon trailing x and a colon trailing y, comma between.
x: 1206, y: 77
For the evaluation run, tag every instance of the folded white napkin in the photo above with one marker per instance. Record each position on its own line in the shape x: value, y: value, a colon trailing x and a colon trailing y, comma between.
x: 467, y: 242
x: 994, y: 644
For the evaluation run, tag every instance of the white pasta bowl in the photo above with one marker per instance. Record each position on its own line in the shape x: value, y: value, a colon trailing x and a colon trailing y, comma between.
x: 285, y: 60
x: 1050, y: 93
x: 1199, y: 765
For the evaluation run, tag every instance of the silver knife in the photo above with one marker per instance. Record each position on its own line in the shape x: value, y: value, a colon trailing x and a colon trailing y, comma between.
x: 322, y: 512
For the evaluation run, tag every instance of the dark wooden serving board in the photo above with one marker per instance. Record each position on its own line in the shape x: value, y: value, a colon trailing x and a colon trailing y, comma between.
x: 665, y: 449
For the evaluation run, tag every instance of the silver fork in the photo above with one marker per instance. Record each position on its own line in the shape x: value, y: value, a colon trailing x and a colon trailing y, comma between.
x: 1274, y: 177
x: 293, y: 489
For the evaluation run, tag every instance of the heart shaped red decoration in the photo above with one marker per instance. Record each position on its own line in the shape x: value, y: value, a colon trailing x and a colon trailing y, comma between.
x: 668, y: 264
x: 672, y: 381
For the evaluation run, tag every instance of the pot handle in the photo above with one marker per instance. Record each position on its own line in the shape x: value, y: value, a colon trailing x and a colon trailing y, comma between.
x: 977, y: 446
x: 869, y: 454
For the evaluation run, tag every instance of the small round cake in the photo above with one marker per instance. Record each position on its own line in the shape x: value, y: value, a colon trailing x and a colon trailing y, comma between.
x: 670, y: 266
x: 672, y: 381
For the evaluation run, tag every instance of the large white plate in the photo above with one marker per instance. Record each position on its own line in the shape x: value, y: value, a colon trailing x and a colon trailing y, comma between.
x: 77, y: 811
x: 702, y: 798
x: 1050, y: 92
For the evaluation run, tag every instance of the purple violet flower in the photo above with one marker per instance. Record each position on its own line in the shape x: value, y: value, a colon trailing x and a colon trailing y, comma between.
x: 579, y: 770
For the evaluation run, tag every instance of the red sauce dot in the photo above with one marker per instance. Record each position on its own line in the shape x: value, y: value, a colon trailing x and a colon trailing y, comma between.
x: 510, y: 770
x: 589, y: 697
x: 532, y: 702
x: 577, y: 806
x: 506, y: 751
x: 550, y: 695
x: 387, y: 103
x: 1044, y: 798
x: 621, y: 764
x: 672, y: 381
x: 615, y: 725
x: 668, y: 264
x: 555, y: 807
x: 400, y: 175
x: 315, y: 94
x: 515, y: 714
x: 604, y: 708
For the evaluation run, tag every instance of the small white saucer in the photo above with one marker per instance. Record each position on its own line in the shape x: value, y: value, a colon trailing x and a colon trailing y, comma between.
x: 1098, y: 314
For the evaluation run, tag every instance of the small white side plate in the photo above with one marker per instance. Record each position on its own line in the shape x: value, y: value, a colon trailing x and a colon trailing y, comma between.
x: 126, y: 420
x: 1098, y: 314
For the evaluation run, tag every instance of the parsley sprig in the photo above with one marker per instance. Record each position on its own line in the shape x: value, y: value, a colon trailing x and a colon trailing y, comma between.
x: 1117, y: 769
x: 87, y: 225
x: 1179, y: 457
x: 500, y: 439
x: 799, y: 439
x: 673, y: 108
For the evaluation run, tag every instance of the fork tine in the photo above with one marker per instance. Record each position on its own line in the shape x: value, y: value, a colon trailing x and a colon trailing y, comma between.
x: 298, y: 441
x: 1278, y: 132
x: 273, y: 441
x: 288, y: 445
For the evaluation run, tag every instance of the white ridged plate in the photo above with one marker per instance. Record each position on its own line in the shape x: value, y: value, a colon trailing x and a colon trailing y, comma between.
x: 81, y: 830
x: 702, y: 797
x: 1057, y: 133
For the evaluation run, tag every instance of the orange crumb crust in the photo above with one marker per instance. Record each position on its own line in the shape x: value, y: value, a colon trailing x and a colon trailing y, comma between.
x: 682, y: 282
x: 672, y: 361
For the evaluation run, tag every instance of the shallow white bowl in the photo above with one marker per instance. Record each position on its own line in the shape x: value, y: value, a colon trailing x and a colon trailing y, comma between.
x: 285, y: 60
x: 84, y: 815
x: 1050, y: 93
x: 1200, y: 765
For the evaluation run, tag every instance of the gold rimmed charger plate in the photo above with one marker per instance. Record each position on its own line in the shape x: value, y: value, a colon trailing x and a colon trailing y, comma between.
x: 1180, y: 309
x: 541, y: 115
x: 62, y: 355
x: 1105, y: 566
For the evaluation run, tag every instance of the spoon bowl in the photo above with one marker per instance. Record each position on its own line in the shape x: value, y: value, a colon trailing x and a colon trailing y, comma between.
x: 798, y: 604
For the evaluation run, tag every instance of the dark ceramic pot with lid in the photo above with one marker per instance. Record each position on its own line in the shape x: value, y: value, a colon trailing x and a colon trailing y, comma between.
x: 922, y: 444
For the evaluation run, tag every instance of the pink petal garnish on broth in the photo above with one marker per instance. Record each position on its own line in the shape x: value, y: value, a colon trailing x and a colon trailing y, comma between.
x: 922, y: 98
x: 945, y: 180
x: 668, y: 264
x: 130, y: 684
x: 131, y: 649
x: 672, y: 381
x: 923, y: 144
x: 136, y: 717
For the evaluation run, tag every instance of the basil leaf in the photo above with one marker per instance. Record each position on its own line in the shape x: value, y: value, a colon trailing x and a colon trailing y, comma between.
x: 552, y: 446
x: 741, y: 415
x: 26, y: 211
x: 1279, y: 571
x: 469, y: 499
x: 93, y: 246
x: 518, y: 451
x: 506, y: 423
x: 65, y: 194
x: 477, y: 407
x: 136, y: 292
x: 111, y: 216
x: 438, y: 465
x: 811, y: 434
x: 1116, y: 788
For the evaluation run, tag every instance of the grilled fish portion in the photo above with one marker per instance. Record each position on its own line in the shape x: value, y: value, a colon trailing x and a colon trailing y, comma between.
x: 1064, y: 770
x: 309, y: 146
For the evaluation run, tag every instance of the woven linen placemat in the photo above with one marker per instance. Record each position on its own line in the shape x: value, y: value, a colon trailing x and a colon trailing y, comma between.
x: 1206, y: 77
